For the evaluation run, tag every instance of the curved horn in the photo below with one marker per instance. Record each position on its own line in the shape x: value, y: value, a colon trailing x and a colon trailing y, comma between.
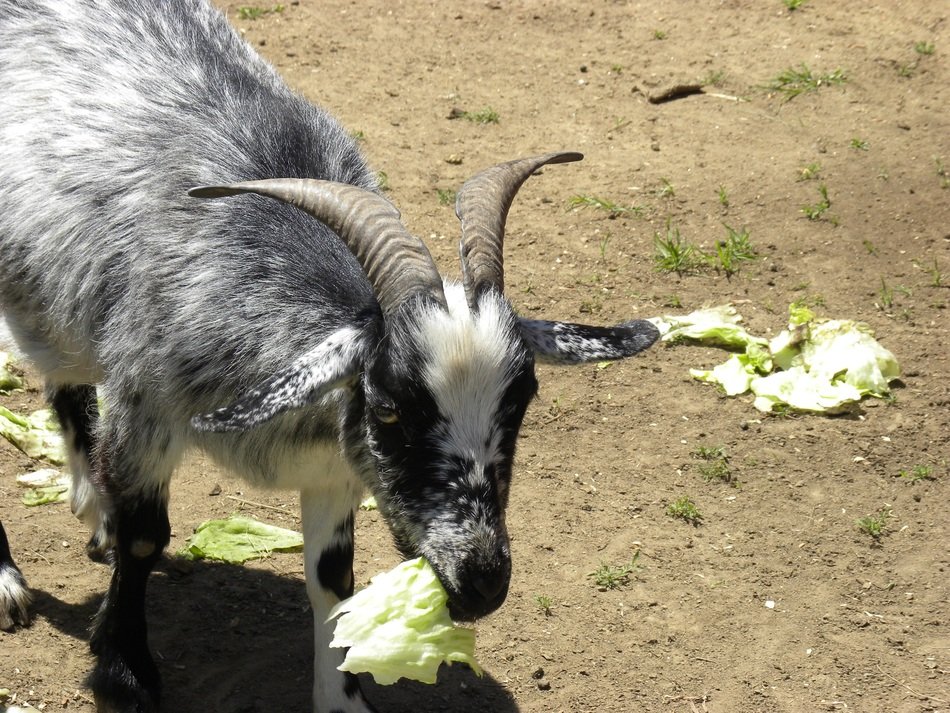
x: 397, y: 263
x: 482, y: 205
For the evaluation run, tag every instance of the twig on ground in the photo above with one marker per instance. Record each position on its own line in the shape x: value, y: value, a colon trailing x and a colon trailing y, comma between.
x: 244, y: 501
x: 916, y: 693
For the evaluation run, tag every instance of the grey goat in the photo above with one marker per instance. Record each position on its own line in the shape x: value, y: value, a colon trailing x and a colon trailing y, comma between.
x: 306, y: 342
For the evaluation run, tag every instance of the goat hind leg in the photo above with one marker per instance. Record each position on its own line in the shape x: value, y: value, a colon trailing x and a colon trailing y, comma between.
x: 77, y: 409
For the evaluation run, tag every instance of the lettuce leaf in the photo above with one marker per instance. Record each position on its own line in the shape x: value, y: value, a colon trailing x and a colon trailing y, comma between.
x: 399, y: 627
x: 733, y: 375
x: 8, y: 380
x: 802, y: 391
x: 238, y: 539
x: 47, y: 485
x: 37, y: 435
x: 712, y: 326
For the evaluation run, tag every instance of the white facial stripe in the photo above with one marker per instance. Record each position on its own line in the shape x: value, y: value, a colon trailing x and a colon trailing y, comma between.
x: 471, y: 360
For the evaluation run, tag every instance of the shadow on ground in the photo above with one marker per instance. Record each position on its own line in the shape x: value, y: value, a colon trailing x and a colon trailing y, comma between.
x: 238, y: 640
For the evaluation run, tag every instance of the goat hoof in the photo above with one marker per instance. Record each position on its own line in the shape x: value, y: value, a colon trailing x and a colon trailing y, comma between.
x: 117, y: 688
x: 98, y: 551
x: 14, y: 598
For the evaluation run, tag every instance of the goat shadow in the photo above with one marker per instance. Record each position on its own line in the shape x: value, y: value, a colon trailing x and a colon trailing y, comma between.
x: 231, y: 639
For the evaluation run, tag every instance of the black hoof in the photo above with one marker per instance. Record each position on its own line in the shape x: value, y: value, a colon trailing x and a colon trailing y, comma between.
x: 98, y: 551
x: 120, y: 688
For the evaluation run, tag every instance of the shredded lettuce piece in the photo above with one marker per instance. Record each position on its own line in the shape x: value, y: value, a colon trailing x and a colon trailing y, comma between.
x: 8, y: 380
x: 37, y: 435
x: 399, y: 627
x: 841, y: 348
x: 713, y: 326
x: 238, y: 539
x: 802, y: 391
x: 47, y: 485
x: 735, y: 375
x: 48, y: 494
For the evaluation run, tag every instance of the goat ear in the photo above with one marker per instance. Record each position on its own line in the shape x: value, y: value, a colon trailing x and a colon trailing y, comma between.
x: 566, y: 343
x: 329, y: 366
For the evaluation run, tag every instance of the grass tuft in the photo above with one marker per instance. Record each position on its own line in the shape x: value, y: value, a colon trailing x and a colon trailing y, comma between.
x: 735, y: 249
x: 614, y: 210
x: 800, y: 80
x: 875, y: 525
x: 684, y: 509
x: 817, y: 210
x: 252, y: 12
x: 672, y: 253
x: 609, y: 576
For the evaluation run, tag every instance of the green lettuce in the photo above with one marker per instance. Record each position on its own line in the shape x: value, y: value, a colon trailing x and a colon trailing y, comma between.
x: 399, y: 627
x: 37, y: 435
x: 8, y: 380
x: 823, y: 365
x: 44, y: 486
x: 737, y: 373
x: 238, y: 539
x: 802, y: 391
x: 712, y: 326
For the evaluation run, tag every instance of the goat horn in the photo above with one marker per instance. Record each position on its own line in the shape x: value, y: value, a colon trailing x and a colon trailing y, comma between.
x: 482, y: 206
x: 397, y: 263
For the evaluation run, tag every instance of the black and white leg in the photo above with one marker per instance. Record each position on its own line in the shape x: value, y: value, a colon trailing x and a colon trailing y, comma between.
x: 77, y: 409
x: 328, y: 566
x: 14, y: 594
x: 135, y: 471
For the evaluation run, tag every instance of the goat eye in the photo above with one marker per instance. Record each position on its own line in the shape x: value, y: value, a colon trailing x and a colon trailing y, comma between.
x: 386, y: 415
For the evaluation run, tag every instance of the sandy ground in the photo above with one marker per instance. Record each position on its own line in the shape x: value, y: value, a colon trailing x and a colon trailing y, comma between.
x: 856, y: 623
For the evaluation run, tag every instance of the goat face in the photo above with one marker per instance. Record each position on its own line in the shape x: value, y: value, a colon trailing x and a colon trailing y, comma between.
x: 440, y: 384
x: 445, y: 395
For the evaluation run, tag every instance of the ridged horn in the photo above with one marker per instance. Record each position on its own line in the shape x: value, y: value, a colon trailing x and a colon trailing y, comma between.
x: 397, y: 263
x: 482, y: 206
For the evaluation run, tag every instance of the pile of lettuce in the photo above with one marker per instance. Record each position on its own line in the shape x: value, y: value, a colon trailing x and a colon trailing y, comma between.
x: 399, y: 627
x: 818, y: 365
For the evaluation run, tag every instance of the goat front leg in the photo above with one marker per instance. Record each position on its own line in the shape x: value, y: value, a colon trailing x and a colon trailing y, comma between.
x: 134, y: 464
x: 125, y: 678
x: 328, y: 566
x: 15, y: 596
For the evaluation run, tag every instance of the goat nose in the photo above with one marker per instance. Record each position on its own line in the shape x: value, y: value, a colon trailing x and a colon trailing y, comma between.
x: 489, y: 588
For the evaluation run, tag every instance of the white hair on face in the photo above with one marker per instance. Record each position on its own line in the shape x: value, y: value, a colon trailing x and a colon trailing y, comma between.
x: 470, y: 360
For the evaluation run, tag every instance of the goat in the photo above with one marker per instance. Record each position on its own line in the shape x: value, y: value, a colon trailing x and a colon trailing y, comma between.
x: 327, y: 356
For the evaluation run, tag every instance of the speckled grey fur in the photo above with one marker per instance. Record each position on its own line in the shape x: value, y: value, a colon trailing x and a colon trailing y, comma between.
x: 243, y: 314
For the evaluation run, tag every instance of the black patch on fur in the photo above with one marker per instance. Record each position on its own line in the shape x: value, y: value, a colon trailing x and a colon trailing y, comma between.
x: 76, y: 408
x: 351, y: 685
x: 335, y: 566
x: 6, y: 557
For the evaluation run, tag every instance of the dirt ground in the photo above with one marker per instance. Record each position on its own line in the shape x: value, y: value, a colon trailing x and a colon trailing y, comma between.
x: 776, y: 601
